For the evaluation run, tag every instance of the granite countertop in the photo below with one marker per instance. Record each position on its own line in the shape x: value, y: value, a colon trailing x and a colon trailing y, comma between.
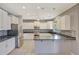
x: 3, y: 38
x: 53, y: 37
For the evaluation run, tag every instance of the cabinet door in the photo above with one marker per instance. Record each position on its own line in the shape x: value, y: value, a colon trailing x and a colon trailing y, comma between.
x: 44, y: 46
x: 10, y: 45
x: 7, y: 46
x: 8, y: 23
x: 14, y: 20
x: 4, y: 20
x: 28, y: 36
x: 50, y: 25
x: 62, y: 20
x: 65, y: 22
x: 13, y: 43
x: 0, y: 19
x: 3, y: 48
x: 28, y: 25
x: 43, y: 25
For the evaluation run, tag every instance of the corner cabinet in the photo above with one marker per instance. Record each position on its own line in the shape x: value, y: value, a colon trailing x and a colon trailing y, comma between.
x: 7, y: 46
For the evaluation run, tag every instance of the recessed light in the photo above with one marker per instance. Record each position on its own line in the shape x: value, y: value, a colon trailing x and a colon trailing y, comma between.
x: 42, y: 8
x: 38, y: 7
x: 53, y: 8
x: 38, y: 19
x: 28, y: 14
x: 23, y: 7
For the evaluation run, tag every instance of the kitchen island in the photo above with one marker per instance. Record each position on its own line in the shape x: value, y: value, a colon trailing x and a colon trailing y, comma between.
x: 53, y: 44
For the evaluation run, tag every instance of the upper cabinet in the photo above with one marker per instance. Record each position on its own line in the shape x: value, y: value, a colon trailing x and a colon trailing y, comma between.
x: 0, y: 19
x: 14, y: 20
x: 65, y: 22
x: 28, y: 25
x: 5, y: 21
x: 43, y: 25
x: 62, y: 23
x: 56, y: 24
x: 9, y: 22
x: 50, y: 24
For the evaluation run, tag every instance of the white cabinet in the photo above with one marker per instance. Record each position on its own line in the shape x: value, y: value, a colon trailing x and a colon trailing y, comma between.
x: 50, y: 25
x: 43, y: 25
x: 10, y: 45
x: 44, y: 46
x: 65, y: 22
x: 2, y: 48
x: 62, y: 23
x: 28, y: 36
x: 7, y: 46
x: 28, y: 25
x: 57, y: 24
x: 0, y: 19
x: 5, y: 21
x: 8, y: 25
x: 14, y: 20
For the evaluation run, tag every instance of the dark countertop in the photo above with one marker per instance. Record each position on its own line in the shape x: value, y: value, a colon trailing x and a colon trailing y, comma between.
x: 46, y: 31
x: 3, y: 38
x: 53, y: 37
x: 33, y: 30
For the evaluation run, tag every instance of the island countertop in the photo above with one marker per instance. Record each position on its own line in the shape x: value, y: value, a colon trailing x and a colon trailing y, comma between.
x: 52, y: 37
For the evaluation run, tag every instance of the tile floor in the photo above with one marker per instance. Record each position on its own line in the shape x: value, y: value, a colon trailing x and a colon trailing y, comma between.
x: 58, y: 47
x: 26, y: 49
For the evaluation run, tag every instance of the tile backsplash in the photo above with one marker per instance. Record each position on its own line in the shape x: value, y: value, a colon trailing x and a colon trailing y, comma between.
x: 3, y: 32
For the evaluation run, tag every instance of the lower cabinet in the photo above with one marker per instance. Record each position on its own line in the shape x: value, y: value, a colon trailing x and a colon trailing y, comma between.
x: 28, y: 36
x: 7, y: 46
x: 44, y: 46
x: 10, y: 45
x: 2, y: 48
x: 53, y: 47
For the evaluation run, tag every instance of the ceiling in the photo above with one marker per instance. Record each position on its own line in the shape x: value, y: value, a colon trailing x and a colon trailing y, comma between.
x: 37, y: 10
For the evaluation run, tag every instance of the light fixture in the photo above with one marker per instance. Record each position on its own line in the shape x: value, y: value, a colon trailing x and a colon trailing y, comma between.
x: 38, y: 7
x: 23, y: 7
x: 53, y: 8
x: 28, y: 14
x: 42, y: 8
x: 38, y: 19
